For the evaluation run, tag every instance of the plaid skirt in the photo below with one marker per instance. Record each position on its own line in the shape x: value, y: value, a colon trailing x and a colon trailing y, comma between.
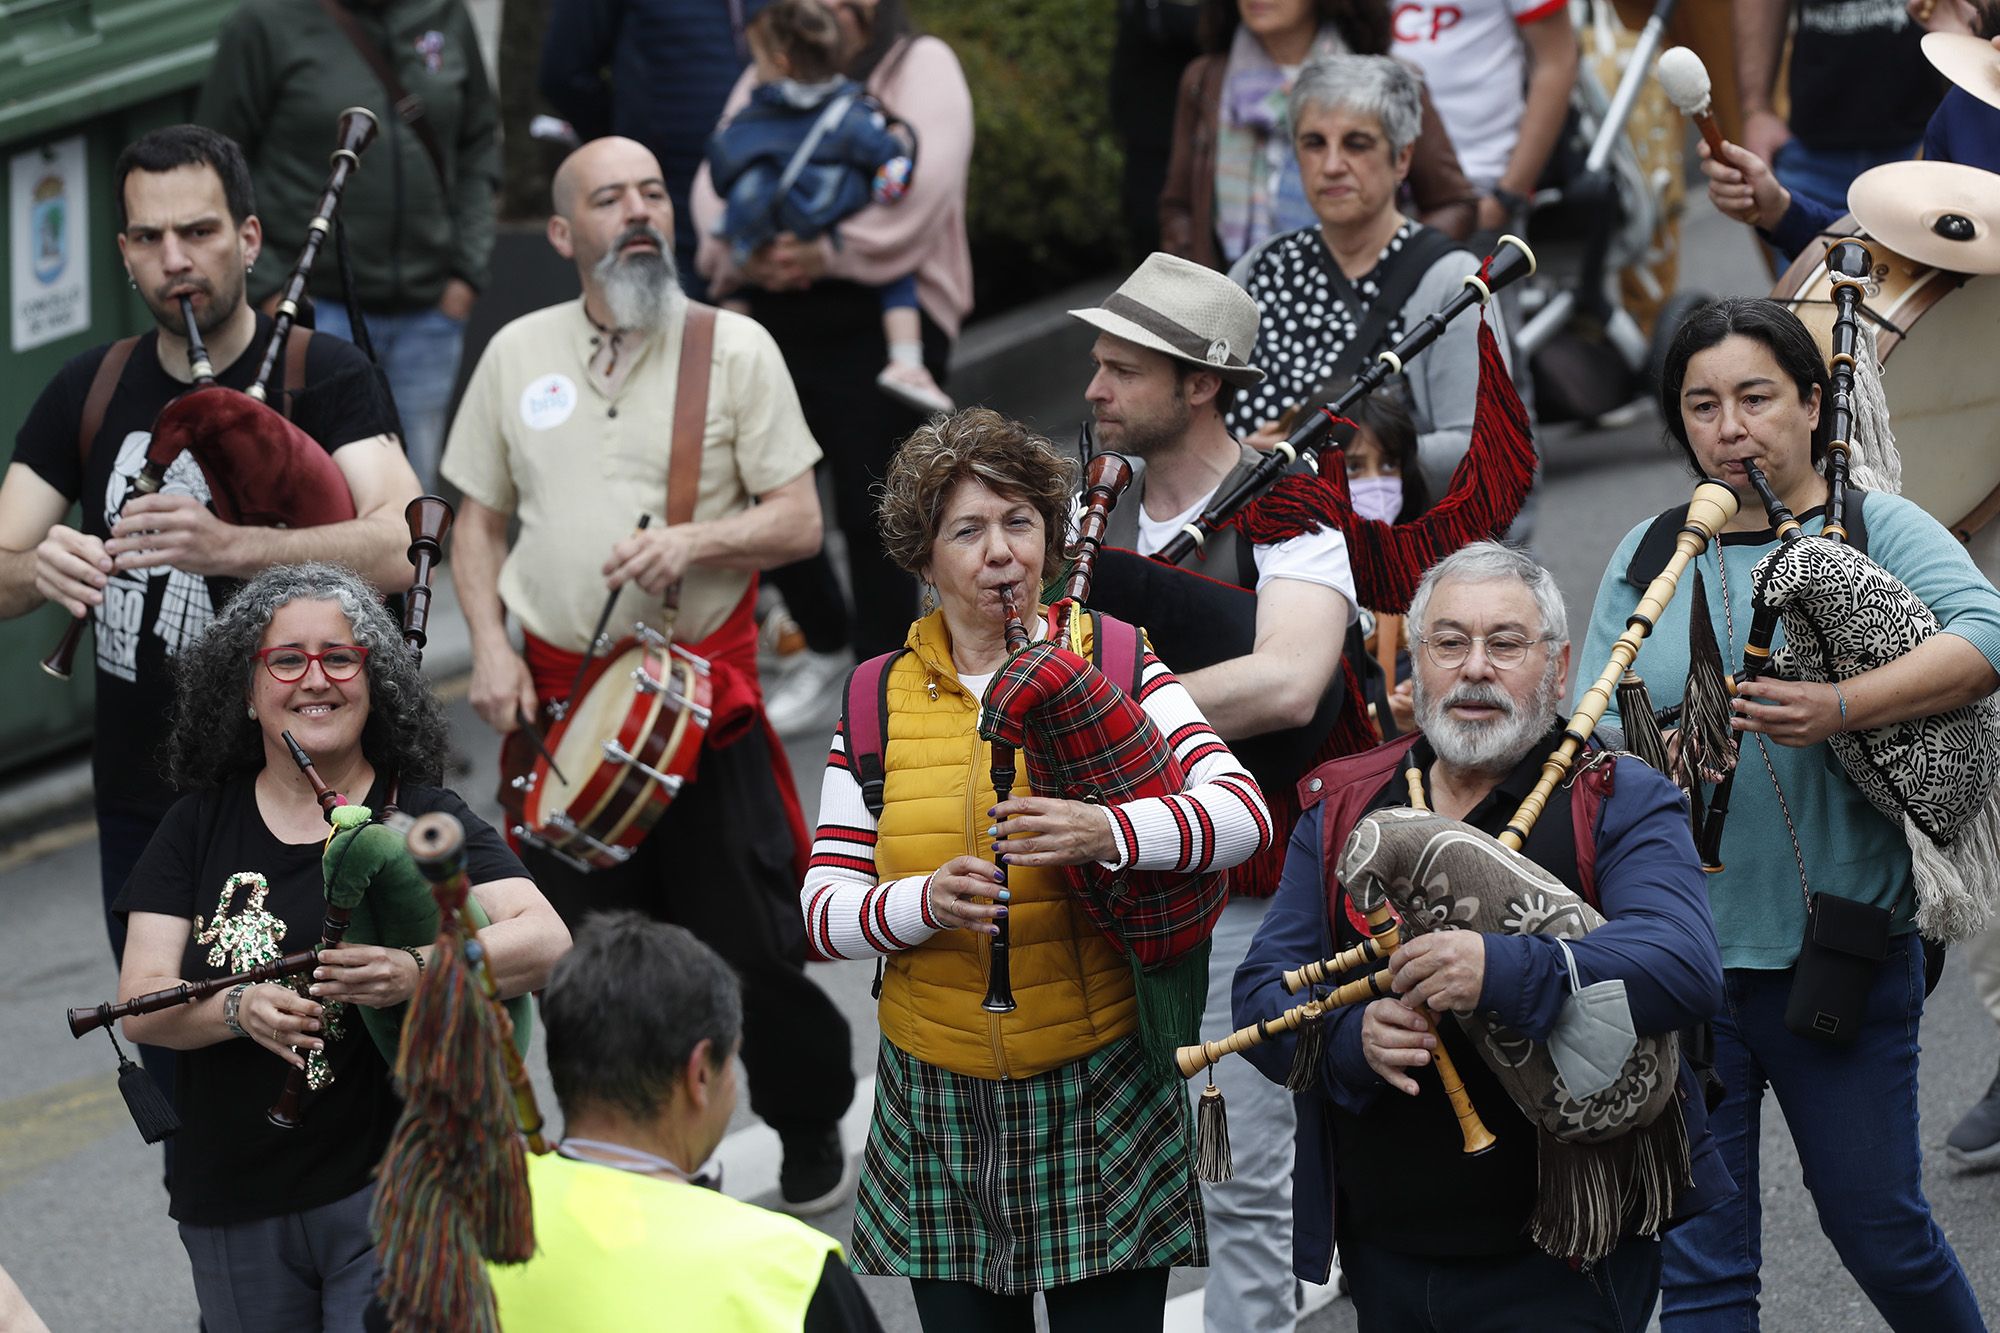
x: 1026, y: 1184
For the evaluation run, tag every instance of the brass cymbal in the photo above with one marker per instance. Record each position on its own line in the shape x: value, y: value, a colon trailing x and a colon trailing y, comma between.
x: 1938, y: 213
x: 1970, y: 62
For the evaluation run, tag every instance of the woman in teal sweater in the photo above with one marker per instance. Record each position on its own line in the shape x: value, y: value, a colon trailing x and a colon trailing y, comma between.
x: 1744, y: 382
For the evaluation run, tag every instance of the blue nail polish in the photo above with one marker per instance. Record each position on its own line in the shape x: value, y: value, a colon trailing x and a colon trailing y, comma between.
x: 993, y: 831
x: 1006, y: 895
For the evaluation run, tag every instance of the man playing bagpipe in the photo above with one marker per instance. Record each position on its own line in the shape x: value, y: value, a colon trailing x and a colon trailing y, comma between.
x: 1556, y: 1222
x: 151, y: 573
x: 574, y: 423
x: 1170, y: 357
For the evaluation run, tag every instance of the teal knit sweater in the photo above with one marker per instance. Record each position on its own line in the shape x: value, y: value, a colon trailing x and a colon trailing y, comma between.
x: 1823, y: 823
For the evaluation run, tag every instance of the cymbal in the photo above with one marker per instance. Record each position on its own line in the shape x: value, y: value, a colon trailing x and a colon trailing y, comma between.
x: 1970, y: 62
x: 1938, y: 213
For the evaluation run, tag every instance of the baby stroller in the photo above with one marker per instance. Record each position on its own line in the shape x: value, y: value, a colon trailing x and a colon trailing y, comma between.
x: 1596, y: 318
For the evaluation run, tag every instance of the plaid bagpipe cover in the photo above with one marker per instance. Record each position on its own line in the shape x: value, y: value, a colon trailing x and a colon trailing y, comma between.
x: 1084, y: 739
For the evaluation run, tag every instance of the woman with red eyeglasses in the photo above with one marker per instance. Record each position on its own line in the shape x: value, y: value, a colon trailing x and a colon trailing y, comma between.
x: 275, y: 1221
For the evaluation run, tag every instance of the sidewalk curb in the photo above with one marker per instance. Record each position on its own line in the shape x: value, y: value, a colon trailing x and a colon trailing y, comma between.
x: 1033, y: 345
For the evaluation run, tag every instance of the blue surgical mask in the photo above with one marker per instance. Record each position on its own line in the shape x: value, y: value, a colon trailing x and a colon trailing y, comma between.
x: 1379, y: 498
x: 1593, y: 1035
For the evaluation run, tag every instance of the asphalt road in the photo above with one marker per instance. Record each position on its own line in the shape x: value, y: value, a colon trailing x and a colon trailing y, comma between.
x: 83, y: 1227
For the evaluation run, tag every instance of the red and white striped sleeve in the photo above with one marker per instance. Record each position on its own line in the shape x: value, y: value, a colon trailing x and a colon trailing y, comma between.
x: 848, y: 912
x: 1218, y: 821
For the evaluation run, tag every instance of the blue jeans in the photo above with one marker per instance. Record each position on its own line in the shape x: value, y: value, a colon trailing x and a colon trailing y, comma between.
x: 1852, y: 1111
x: 419, y: 351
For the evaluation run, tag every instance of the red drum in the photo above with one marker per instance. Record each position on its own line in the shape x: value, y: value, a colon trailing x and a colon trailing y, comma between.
x: 628, y: 742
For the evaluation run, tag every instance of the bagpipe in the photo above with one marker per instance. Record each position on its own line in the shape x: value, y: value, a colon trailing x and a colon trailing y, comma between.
x: 1085, y: 737
x: 1611, y: 1158
x: 1936, y: 777
x: 261, y: 469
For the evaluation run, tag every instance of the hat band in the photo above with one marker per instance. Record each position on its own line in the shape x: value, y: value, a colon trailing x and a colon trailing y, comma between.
x: 1185, y: 341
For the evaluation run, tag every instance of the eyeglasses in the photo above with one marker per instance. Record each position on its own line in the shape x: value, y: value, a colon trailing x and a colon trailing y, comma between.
x: 1449, y: 649
x: 343, y: 661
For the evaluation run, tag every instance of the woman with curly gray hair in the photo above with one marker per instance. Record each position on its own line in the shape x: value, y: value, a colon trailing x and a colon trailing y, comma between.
x: 1035, y: 1150
x: 275, y: 1221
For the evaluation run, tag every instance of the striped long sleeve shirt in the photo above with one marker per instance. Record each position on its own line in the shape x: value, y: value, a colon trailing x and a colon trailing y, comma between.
x: 1218, y: 821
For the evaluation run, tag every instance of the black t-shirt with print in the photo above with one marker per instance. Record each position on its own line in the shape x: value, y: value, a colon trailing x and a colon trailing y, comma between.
x: 1858, y: 75
x: 231, y: 1164
x: 149, y: 614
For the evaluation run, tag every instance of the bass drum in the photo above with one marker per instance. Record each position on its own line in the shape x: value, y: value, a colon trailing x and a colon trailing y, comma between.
x: 1934, y: 334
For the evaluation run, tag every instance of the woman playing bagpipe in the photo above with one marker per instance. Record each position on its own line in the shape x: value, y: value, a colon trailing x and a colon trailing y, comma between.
x: 1031, y: 1140
x: 275, y: 1220
x: 1442, y: 1224
x: 1814, y: 896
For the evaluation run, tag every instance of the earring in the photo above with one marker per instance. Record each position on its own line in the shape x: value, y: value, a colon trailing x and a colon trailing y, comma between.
x: 132, y: 282
x: 250, y: 713
x: 249, y: 269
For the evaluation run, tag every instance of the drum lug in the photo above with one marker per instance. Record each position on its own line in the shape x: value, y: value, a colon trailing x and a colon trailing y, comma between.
x: 559, y: 710
x: 525, y: 782
x: 535, y: 840
x: 561, y: 820
x: 700, y: 664
x: 647, y: 683
x: 651, y: 637
x: 618, y: 754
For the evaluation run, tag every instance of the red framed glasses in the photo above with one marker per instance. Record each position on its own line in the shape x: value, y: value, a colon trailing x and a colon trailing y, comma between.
x: 342, y: 661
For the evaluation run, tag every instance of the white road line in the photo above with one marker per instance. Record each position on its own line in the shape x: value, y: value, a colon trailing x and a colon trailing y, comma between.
x: 750, y: 1157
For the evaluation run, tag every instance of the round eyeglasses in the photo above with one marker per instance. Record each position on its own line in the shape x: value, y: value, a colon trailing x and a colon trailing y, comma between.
x: 343, y: 661
x: 1448, y: 649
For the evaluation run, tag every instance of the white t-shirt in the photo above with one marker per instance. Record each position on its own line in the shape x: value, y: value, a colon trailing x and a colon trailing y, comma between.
x: 1476, y: 65
x: 1316, y: 557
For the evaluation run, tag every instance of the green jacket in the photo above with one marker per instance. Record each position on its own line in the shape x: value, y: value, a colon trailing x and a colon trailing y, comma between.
x: 283, y: 73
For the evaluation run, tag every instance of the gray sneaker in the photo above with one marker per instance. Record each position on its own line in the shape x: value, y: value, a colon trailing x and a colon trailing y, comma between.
x: 806, y: 698
x: 1975, y: 1141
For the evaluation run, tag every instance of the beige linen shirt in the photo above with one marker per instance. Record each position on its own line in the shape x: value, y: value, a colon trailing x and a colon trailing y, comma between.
x: 537, y: 437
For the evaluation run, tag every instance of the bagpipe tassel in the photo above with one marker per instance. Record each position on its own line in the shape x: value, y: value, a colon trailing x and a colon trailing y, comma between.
x: 1309, y: 1056
x: 151, y: 1111
x: 1212, y: 1161
x: 1589, y: 1195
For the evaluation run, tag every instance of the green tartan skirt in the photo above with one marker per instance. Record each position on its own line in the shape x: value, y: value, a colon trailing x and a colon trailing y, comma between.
x: 1025, y: 1184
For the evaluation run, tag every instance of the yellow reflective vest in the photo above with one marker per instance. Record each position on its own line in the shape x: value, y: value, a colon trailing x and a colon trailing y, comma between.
x: 1073, y: 988
x: 615, y: 1250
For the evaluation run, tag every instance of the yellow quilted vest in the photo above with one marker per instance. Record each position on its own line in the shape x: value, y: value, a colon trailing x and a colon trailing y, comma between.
x: 1073, y: 988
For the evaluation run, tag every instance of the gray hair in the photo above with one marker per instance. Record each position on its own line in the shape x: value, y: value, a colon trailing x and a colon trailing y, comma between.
x: 626, y: 1007
x: 1483, y: 562
x: 1378, y: 86
x: 212, y: 741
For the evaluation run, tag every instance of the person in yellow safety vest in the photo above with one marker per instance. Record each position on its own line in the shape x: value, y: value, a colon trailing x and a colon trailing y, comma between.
x: 644, y: 1022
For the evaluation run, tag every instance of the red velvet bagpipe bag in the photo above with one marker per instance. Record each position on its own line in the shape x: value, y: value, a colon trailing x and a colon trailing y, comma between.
x: 1086, y: 739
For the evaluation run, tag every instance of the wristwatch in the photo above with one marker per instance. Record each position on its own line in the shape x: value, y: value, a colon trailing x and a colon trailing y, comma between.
x: 230, y: 1004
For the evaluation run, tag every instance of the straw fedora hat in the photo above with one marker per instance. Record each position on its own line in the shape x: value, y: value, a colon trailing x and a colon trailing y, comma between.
x: 1186, y: 311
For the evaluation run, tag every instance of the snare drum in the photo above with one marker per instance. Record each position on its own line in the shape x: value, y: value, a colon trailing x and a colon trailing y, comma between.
x: 1934, y: 334
x: 629, y: 741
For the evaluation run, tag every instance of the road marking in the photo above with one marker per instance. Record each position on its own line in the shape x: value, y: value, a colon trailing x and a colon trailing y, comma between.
x: 42, y: 1128
x: 47, y: 843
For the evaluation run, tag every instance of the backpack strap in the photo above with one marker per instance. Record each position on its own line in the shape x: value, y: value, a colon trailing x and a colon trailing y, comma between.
x: 864, y: 726
x: 1116, y: 650
x: 98, y: 401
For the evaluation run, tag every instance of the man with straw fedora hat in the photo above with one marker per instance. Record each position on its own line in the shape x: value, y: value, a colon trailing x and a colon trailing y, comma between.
x: 1255, y: 629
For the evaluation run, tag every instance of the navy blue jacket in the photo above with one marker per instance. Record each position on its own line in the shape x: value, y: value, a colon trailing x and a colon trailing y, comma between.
x: 1963, y: 129
x: 672, y: 64
x: 748, y: 156
x: 1658, y: 937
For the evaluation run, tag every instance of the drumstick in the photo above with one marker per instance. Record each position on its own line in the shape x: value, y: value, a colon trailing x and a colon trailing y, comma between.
x: 1685, y: 80
x: 540, y: 743
x: 590, y: 649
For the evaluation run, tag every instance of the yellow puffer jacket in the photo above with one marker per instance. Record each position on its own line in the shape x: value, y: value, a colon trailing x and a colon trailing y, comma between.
x: 1073, y: 987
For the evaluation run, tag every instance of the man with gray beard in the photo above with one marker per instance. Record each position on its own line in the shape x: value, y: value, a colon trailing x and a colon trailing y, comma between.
x: 1430, y: 1236
x: 571, y: 424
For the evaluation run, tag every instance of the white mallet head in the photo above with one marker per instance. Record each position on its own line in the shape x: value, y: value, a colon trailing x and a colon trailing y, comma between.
x: 1685, y: 78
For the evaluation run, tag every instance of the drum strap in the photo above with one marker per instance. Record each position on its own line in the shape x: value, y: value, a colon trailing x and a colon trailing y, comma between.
x: 690, y: 411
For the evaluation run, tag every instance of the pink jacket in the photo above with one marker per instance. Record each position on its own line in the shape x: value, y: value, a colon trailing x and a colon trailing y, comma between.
x: 924, y: 231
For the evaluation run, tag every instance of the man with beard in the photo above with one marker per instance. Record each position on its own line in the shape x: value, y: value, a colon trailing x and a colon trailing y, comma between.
x: 152, y: 580
x: 1429, y: 1236
x: 570, y: 426
x: 1171, y: 355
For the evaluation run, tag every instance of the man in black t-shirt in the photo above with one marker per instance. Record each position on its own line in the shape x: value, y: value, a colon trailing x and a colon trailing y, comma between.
x: 153, y: 579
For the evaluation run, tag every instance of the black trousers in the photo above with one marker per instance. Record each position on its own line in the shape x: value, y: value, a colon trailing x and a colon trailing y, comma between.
x: 831, y: 336
x: 1403, y: 1293
x: 1133, y: 1298
x: 719, y: 862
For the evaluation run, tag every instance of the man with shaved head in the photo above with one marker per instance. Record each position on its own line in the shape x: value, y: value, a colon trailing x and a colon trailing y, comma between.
x: 580, y: 419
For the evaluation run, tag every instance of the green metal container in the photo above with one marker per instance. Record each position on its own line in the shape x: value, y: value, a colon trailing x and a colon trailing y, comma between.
x: 79, y: 79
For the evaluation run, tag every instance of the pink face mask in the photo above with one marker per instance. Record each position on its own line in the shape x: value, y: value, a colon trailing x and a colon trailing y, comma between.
x: 1379, y: 498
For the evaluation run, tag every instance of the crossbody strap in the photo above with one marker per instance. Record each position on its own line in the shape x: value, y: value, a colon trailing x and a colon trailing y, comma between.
x: 409, y: 107
x: 98, y: 401
x: 690, y: 412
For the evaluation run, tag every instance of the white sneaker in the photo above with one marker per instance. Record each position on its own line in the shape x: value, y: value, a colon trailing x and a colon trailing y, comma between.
x: 807, y: 698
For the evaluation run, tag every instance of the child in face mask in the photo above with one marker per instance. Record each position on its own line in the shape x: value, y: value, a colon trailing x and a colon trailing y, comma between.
x: 1382, y: 473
